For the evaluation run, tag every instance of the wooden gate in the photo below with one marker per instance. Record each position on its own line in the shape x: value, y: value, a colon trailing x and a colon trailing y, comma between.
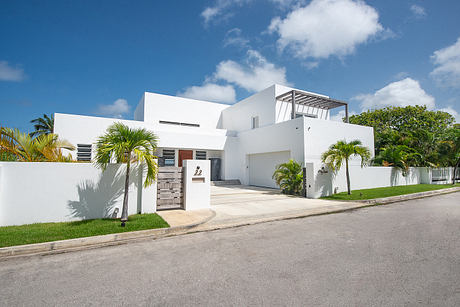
x: 170, y: 188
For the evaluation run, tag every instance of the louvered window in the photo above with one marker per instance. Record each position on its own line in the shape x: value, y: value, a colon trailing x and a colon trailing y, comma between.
x: 84, y: 152
x: 169, y: 155
x: 200, y: 155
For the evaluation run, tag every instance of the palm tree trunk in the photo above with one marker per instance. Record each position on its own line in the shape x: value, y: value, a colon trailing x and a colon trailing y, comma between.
x: 455, y: 171
x: 124, y: 211
x: 348, y: 177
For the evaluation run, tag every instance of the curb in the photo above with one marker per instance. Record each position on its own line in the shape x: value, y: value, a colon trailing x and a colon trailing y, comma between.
x: 398, y: 198
x: 63, y: 246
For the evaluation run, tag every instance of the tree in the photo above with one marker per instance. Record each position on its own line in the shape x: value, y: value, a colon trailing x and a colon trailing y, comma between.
x: 289, y: 177
x: 43, y: 125
x: 24, y: 148
x: 342, y: 151
x: 126, y: 145
x: 412, y: 126
x: 400, y: 157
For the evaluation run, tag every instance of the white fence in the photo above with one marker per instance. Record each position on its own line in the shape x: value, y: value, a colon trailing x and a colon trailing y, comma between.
x: 56, y: 192
x: 322, y: 182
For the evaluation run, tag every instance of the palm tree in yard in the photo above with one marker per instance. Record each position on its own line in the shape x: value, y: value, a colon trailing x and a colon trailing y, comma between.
x: 342, y: 151
x: 43, y: 125
x: 126, y: 145
x: 24, y: 148
x: 289, y: 177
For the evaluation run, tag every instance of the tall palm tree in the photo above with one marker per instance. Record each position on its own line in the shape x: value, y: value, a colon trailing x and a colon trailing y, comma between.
x: 27, y: 149
x: 125, y: 145
x: 289, y: 177
x: 43, y: 125
x: 342, y: 151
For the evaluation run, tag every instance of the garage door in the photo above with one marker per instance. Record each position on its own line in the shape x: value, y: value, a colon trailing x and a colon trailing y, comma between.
x: 262, y: 166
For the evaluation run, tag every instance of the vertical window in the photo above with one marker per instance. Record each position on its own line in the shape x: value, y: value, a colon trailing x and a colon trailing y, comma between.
x: 169, y: 155
x: 200, y: 155
x: 254, y: 122
x: 84, y: 152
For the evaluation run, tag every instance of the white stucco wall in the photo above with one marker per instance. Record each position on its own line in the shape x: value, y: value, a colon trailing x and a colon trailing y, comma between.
x: 57, y: 192
x: 178, y: 109
x: 78, y: 129
x: 139, y: 111
x: 197, y: 184
x: 262, y: 104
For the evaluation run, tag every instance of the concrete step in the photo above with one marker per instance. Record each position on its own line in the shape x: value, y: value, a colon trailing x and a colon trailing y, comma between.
x: 226, y: 182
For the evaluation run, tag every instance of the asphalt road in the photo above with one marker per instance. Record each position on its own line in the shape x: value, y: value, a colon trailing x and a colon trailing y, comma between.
x: 403, y: 254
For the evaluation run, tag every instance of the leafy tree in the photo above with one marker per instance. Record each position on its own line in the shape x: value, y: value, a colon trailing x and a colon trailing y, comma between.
x: 24, y: 148
x: 126, y: 145
x: 412, y: 126
x: 43, y: 125
x: 289, y: 177
x: 342, y: 151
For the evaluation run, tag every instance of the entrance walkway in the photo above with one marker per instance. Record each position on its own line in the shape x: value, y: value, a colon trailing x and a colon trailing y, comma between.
x: 246, y: 203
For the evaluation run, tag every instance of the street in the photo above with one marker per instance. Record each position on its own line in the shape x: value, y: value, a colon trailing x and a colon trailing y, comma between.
x: 395, y: 255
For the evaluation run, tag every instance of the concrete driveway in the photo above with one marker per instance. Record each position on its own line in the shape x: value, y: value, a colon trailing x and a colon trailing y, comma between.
x: 240, y: 202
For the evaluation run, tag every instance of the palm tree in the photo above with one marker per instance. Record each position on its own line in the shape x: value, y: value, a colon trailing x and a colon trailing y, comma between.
x: 289, y: 177
x: 43, y: 125
x: 27, y: 149
x: 126, y: 145
x: 342, y: 151
x: 400, y: 157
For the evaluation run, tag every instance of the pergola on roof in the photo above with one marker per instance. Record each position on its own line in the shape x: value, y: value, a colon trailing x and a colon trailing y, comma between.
x: 311, y: 100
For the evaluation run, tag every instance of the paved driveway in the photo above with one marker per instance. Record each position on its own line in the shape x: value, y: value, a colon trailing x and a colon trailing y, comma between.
x: 240, y: 202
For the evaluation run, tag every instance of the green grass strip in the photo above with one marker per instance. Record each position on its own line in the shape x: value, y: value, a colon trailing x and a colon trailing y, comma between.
x: 46, y: 232
x: 388, y: 191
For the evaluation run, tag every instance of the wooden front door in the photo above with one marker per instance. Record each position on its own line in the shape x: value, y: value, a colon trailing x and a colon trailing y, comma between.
x: 185, y: 155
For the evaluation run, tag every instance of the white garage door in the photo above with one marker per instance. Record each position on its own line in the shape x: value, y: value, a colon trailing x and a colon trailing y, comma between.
x: 262, y: 166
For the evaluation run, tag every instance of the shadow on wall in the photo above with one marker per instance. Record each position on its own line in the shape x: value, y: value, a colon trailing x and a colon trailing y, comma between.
x: 323, y: 183
x: 98, y: 200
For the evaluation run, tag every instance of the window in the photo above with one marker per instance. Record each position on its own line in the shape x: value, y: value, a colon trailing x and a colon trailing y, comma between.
x: 254, y: 122
x: 178, y: 124
x: 200, y: 155
x: 297, y: 115
x: 169, y: 156
x: 84, y: 152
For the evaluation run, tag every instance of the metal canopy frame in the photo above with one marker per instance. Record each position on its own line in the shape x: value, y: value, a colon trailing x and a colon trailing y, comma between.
x: 311, y: 100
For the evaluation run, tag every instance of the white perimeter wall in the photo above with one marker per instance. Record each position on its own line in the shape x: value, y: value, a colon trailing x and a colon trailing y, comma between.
x: 178, y: 109
x: 57, y: 192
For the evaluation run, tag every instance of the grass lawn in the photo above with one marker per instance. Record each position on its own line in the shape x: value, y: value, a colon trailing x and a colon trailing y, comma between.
x: 388, y: 191
x: 45, y: 232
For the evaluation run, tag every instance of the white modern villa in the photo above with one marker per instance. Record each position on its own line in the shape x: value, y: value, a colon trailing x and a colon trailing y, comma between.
x: 244, y: 141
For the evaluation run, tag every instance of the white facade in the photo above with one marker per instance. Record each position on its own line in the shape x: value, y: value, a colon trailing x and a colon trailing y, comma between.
x: 250, y: 137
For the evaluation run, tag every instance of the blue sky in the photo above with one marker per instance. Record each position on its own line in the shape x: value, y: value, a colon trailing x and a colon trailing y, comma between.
x: 98, y: 57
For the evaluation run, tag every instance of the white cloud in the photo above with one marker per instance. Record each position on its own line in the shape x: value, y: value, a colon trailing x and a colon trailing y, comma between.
x: 254, y: 75
x: 341, y: 114
x: 327, y: 27
x: 116, y: 109
x: 8, y: 73
x: 233, y: 37
x: 418, y: 11
x: 447, y: 61
x: 210, y: 92
x: 452, y: 112
x: 406, y: 92
x: 219, y: 9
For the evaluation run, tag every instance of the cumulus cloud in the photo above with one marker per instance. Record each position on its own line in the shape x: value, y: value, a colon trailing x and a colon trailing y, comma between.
x: 255, y: 74
x: 406, y: 92
x: 452, y: 112
x: 340, y: 115
x: 418, y: 11
x: 219, y: 9
x: 117, y: 109
x: 447, y: 62
x: 9, y: 73
x: 210, y: 92
x: 233, y: 37
x: 327, y: 27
